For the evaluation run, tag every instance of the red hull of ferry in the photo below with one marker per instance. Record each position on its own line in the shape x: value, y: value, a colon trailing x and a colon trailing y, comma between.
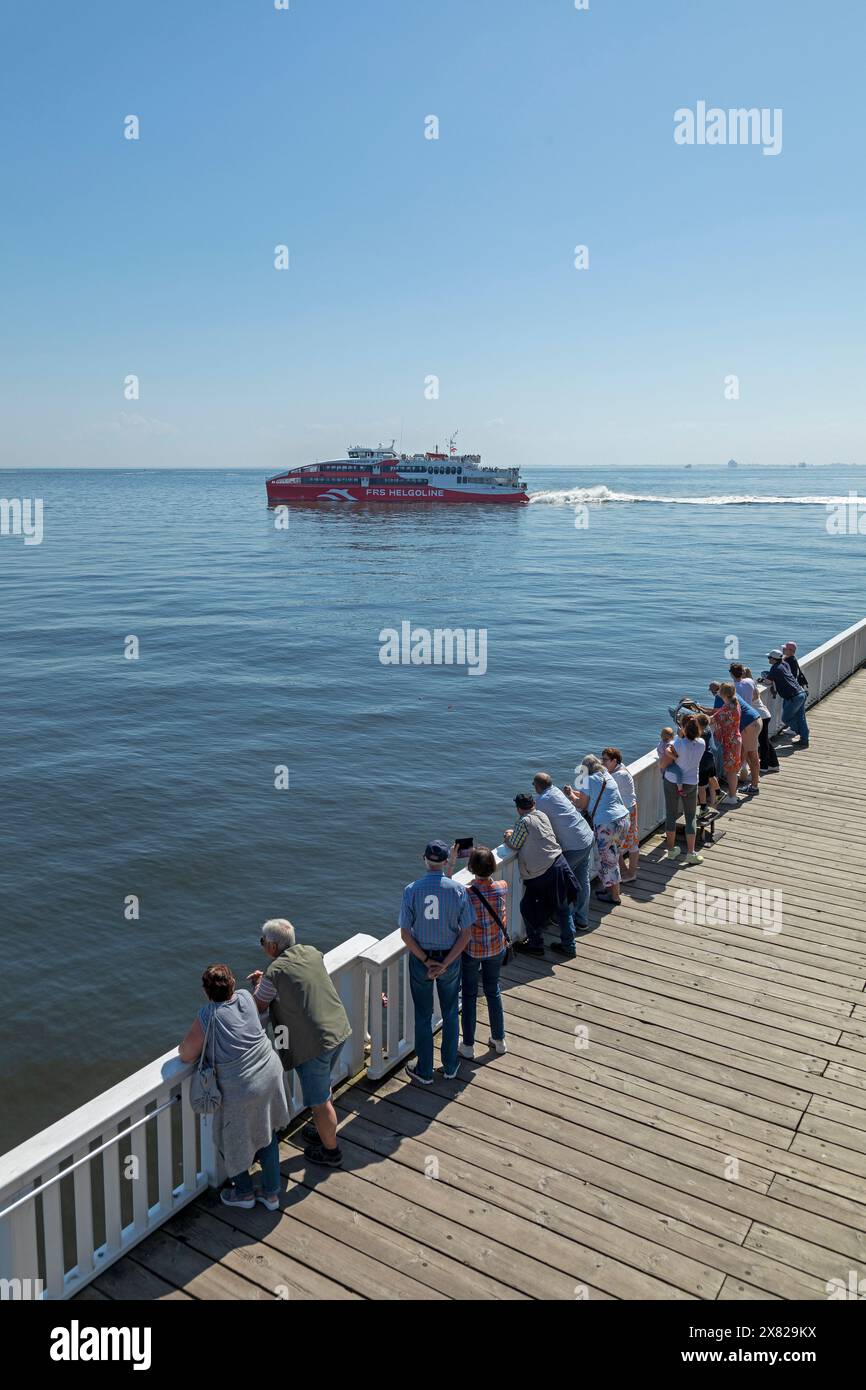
x: 280, y: 493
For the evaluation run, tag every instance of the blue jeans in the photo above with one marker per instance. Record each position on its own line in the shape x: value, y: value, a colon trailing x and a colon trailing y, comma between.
x: 269, y: 1158
x: 488, y: 968
x: 315, y: 1077
x: 448, y: 988
x: 578, y: 860
x: 794, y: 715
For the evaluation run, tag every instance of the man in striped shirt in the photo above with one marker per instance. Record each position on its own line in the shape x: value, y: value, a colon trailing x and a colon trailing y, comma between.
x: 435, y: 921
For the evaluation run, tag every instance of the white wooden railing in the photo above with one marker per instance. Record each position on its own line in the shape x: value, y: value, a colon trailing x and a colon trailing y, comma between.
x: 86, y: 1190
x: 78, y: 1196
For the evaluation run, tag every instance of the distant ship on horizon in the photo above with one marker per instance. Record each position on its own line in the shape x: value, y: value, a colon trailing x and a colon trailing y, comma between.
x: 382, y: 475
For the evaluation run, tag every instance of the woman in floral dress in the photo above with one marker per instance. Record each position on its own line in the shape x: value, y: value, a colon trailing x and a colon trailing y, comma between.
x: 726, y: 731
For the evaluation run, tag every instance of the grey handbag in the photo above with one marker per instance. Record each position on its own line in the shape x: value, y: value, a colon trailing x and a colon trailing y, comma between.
x: 205, y: 1095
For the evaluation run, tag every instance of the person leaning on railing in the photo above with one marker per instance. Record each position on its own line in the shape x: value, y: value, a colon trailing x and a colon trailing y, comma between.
x: 253, y: 1111
x: 550, y: 888
x: 747, y: 690
x: 792, y: 694
x: 629, y: 852
x: 598, y: 798
x: 435, y: 922
x: 575, y: 838
x: 310, y: 1028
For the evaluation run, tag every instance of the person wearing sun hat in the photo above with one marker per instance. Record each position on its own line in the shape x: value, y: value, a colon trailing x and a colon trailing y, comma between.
x: 792, y: 695
x: 435, y: 920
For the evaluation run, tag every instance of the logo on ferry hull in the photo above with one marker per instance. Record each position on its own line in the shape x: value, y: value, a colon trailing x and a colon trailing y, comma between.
x: 336, y: 494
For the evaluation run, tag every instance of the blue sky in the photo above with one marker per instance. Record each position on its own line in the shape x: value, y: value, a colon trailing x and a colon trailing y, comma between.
x: 411, y: 257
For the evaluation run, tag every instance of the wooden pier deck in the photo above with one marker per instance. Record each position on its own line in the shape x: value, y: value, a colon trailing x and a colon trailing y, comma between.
x: 708, y: 1142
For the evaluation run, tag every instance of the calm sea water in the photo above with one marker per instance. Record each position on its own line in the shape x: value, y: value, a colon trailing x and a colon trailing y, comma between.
x: 259, y: 648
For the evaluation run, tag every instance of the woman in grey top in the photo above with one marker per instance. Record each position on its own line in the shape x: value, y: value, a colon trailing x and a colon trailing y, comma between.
x: 250, y: 1077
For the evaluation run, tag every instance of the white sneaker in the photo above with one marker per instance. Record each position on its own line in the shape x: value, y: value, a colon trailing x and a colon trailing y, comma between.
x: 730, y: 800
x: 693, y: 858
x: 272, y: 1203
x: 467, y: 1050
x: 675, y: 852
x: 499, y: 1045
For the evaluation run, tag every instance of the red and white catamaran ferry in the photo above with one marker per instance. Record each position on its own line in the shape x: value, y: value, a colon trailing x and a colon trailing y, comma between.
x: 381, y: 475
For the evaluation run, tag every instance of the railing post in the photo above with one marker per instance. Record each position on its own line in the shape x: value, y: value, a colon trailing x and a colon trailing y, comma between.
x: 211, y: 1162
x: 19, y: 1255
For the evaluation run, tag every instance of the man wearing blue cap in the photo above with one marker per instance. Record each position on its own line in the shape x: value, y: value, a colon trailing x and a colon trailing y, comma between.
x: 435, y: 921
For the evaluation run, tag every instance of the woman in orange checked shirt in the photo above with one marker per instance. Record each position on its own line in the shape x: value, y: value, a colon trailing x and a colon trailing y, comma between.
x: 485, y: 953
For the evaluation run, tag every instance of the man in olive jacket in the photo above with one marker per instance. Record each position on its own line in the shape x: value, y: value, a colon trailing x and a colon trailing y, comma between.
x: 310, y: 1027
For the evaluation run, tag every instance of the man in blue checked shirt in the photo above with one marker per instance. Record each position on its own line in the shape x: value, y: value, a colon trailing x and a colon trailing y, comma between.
x: 435, y: 921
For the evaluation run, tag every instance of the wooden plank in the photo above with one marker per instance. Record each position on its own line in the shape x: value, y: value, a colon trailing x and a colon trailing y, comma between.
x: 130, y: 1281
x: 846, y: 1228
x: 801, y: 1254
x: 517, y: 1250
x: 734, y: 1290
x: 562, y: 1191
x: 841, y: 1135
x: 681, y: 999
x: 483, y: 1261
x: 708, y: 1152
x: 566, y: 1258
x: 718, y: 1198
x: 254, y: 1251
x: 692, y: 954
x: 761, y: 1036
x: 305, y: 1243
x: 640, y: 1039
x: 637, y: 1099
x: 668, y: 967
x: 624, y: 1071
x: 465, y: 1165
x: 355, y: 1229
x: 851, y: 1115
x: 679, y: 1049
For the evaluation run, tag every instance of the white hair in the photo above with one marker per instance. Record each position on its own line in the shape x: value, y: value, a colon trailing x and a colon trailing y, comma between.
x: 279, y: 932
x: 592, y: 764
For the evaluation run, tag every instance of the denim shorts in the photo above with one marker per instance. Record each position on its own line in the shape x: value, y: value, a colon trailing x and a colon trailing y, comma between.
x: 315, y: 1076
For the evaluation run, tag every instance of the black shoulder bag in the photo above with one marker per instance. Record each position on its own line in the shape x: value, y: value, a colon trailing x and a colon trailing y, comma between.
x: 591, y: 816
x: 509, y: 949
